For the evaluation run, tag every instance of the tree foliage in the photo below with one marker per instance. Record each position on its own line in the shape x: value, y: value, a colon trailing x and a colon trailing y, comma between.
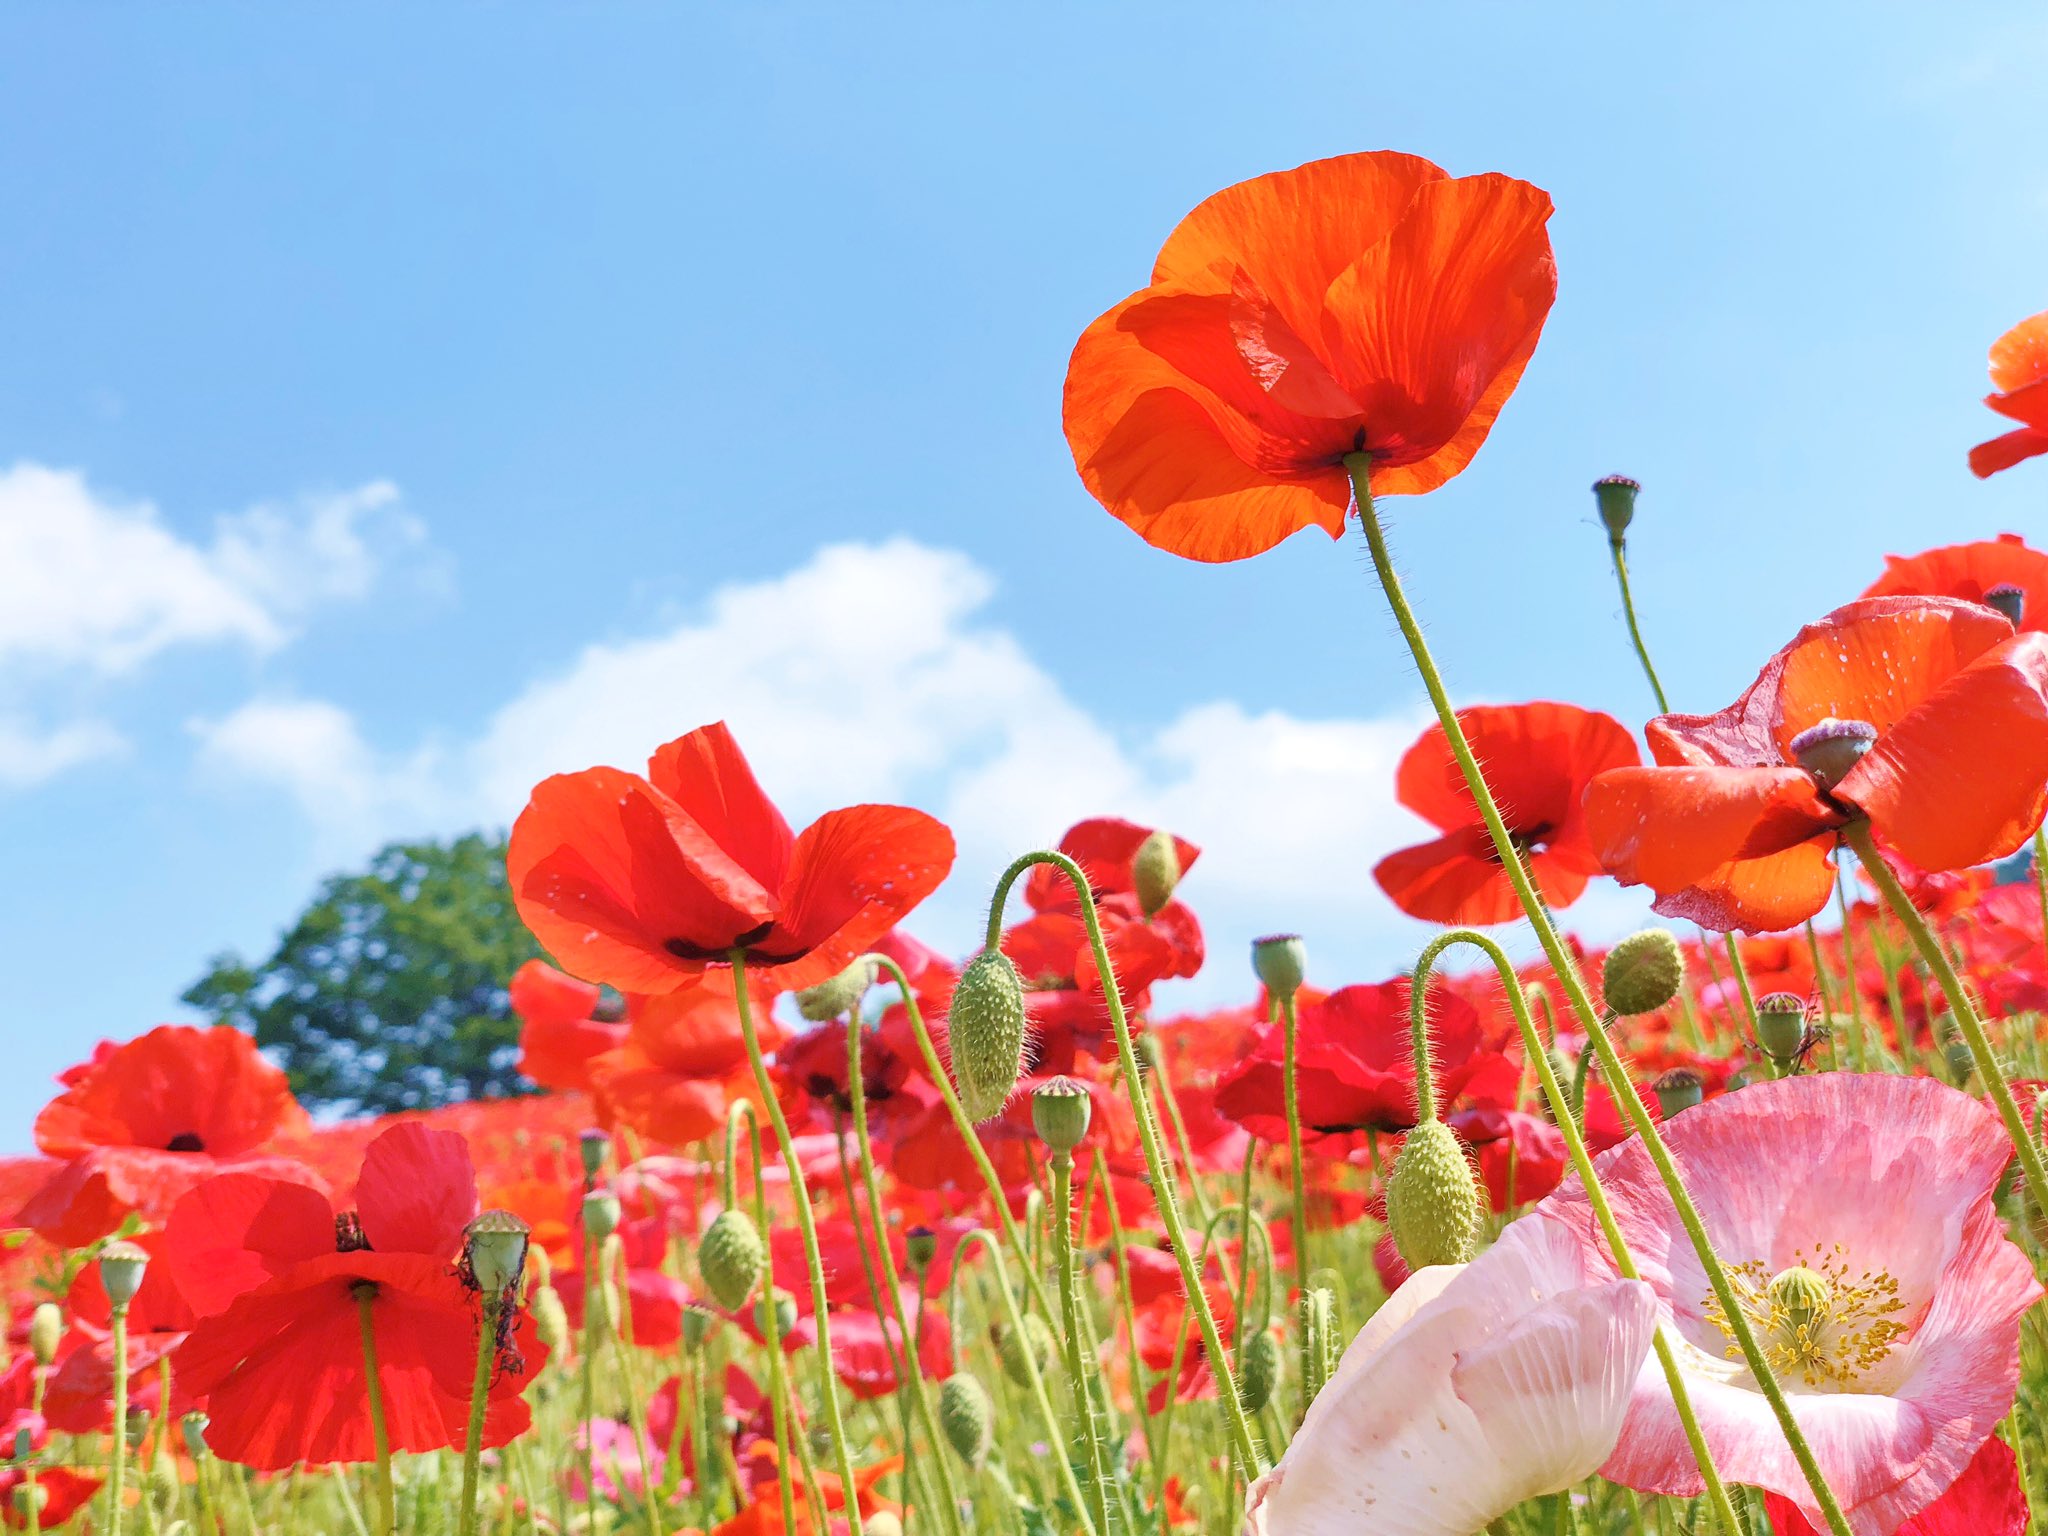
x: 388, y: 991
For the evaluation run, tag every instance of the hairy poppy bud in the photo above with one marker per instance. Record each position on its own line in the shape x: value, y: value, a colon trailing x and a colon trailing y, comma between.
x: 2008, y: 600
x: 601, y: 1213
x: 1432, y: 1199
x: 920, y: 1246
x: 1060, y: 1110
x: 697, y: 1322
x: 1019, y: 1350
x: 1319, y: 1339
x: 1615, y: 495
x: 731, y: 1258
x: 497, y: 1250
x: 985, y: 1034
x: 1781, y: 1025
x: 1280, y: 961
x: 1643, y: 972
x: 193, y: 1428
x: 967, y: 1418
x: 121, y: 1267
x: 593, y: 1146
x: 45, y: 1332
x: 1258, y: 1370
x: 551, y: 1320
x: 783, y: 1312
x: 1155, y: 871
x: 840, y: 995
x: 1830, y: 749
x: 1678, y: 1090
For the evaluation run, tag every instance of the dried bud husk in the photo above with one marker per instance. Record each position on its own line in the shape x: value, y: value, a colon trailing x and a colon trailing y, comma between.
x: 1643, y: 972
x: 1060, y: 1111
x: 1258, y: 1370
x: 497, y: 1250
x: 601, y: 1213
x: 1155, y: 871
x: 1019, y: 1352
x: 1678, y: 1090
x: 985, y: 1034
x: 45, y: 1332
x: 839, y: 996
x: 967, y: 1418
x: 594, y: 1146
x: 1615, y: 495
x: 731, y: 1258
x: 1781, y: 1025
x: 1280, y: 961
x: 121, y: 1267
x: 1432, y: 1198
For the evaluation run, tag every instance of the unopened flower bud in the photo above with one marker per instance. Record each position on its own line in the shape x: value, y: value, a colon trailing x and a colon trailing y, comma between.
x: 730, y: 1257
x: 1280, y: 961
x: 551, y: 1321
x: 497, y: 1250
x: 2008, y: 600
x: 1019, y: 1351
x: 1615, y: 495
x: 1432, y: 1198
x: 1258, y: 1370
x: 593, y: 1146
x: 838, y: 996
x: 193, y: 1427
x: 1643, y: 972
x: 1678, y: 1090
x: 1961, y: 1061
x: 1060, y: 1110
x: 920, y: 1246
x: 967, y: 1418
x: 1830, y: 749
x: 985, y: 1034
x: 779, y: 1309
x: 45, y: 1332
x: 601, y: 1213
x: 1155, y: 871
x: 121, y: 1267
x: 1781, y: 1025
x: 697, y: 1323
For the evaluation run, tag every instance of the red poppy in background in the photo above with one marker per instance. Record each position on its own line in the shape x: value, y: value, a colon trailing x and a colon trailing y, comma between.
x: 1927, y: 715
x: 559, y: 1026
x: 277, y: 1278
x: 644, y: 883
x: 1972, y: 572
x: 64, y: 1491
x: 2019, y: 375
x: 1538, y: 759
x: 1367, y: 303
x: 79, y: 1398
x: 684, y: 1061
x: 1105, y: 847
x: 143, y: 1122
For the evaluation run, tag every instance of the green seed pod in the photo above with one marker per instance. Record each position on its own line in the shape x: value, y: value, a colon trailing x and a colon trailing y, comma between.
x: 1060, y: 1110
x: 121, y: 1267
x: 497, y: 1251
x: 920, y: 1246
x: 1280, y: 961
x: 1615, y: 495
x: 593, y: 1146
x: 840, y: 995
x: 697, y: 1323
x: 1258, y: 1370
x: 1678, y: 1090
x: 1432, y: 1198
x: 1155, y: 871
x: 731, y: 1257
x: 601, y: 1213
x: 1781, y: 1025
x: 1643, y: 972
x: 45, y: 1332
x: 1018, y: 1352
x: 985, y: 1034
x: 967, y: 1418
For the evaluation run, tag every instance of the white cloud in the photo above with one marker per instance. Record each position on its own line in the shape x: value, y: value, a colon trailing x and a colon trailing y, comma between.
x: 869, y: 674
x: 28, y: 756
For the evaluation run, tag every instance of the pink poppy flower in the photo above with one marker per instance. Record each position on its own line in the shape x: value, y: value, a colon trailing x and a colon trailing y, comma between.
x: 1855, y: 1214
x: 1474, y: 1387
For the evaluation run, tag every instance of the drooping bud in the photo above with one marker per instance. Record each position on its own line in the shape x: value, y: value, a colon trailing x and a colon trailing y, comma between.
x: 1018, y: 1351
x: 193, y: 1428
x: 1155, y: 871
x: 985, y: 1034
x: 1678, y: 1090
x: 920, y: 1246
x: 1320, y: 1349
x: 1432, y: 1198
x: 1280, y: 961
x: 2008, y: 600
x: 1060, y: 1110
x: 121, y: 1267
x: 1830, y: 749
x: 967, y: 1418
x: 45, y: 1332
x: 730, y: 1257
x: 1258, y: 1370
x: 1643, y: 972
x: 1615, y: 495
x: 840, y: 995
x: 1781, y: 1025
x: 593, y: 1146
x: 497, y: 1251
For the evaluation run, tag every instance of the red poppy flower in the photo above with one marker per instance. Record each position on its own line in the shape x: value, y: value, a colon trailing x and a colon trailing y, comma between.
x: 2019, y: 375
x: 1927, y: 715
x: 684, y: 1061
x: 815, y: 1071
x: 63, y: 1494
x: 79, y: 1398
x: 145, y: 1121
x: 762, y: 1515
x: 1986, y: 1500
x: 1106, y: 847
x: 1368, y: 303
x: 277, y: 1278
x: 1972, y: 572
x: 1538, y: 758
x: 559, y: 1026
x: 644, y: 883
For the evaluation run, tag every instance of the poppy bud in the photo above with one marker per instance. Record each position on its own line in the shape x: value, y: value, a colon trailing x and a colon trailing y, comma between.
x: 601, y: 1213
x: 985, y: 1034
x: 883, y: 1522
x: 730, y: 1257
x: 497, y: 1251
x: 1830, y: 749
x: 1678, y: 1090
x: 1319, y: 1338
x: 45, y: 1332
x: 2008, y: 600
x: 967, y: 1418
x: 551, y: 1321
x: 1155, y: 871
x: 1018, y: 1351
x: 1781, y: 1025
x: 121, y: 1267
x: 840, y: 995
x: 784, y: 1315
x: 697, y: 1322
x: 1615, y: 495
x: 1060, y: 1110
x: 920, y: 1246
x: 1280, y: 961
x: 1643, y: 972
x: 1258, y: 1370
x: 593, y: 1145
x: 1432, y: 1199
x: 193, y: 1427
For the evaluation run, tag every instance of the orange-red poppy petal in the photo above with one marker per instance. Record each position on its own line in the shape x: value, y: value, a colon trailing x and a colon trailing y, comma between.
x: 1451, y: 880
x: 707, y: 775
x: 2001, y: 453
x: 2020, y: 357
x: 1969, y: 571
x: 1765, y: 894
x: 1445, y: 463
x: 1876, y: 659
x: 854, y: 874
x: 1963, y: 778
x: 1670, y: 828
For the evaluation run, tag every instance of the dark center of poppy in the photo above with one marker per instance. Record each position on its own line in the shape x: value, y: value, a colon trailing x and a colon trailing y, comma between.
x: 1830, y: 749
x: 689, y: 949
x: 348, y: 1233
x: 185, y: 1141
x: 2008, y: 600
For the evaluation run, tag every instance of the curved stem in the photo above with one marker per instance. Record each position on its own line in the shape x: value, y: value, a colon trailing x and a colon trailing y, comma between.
x: 1635, y: 634
x: 380, y: 1437
x: 1243, y: 1441
x: 1418, y: 1042
x: 479, y: 1398
x: 1574, y: 985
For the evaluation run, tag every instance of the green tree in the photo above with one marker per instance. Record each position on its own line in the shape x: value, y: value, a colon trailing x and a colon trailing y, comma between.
x: 388, y: 992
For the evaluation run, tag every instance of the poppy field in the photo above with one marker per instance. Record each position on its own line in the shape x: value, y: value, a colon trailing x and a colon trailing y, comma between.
x: 1733, y: 1226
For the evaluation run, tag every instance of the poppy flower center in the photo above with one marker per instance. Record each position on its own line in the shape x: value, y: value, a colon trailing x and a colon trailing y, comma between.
x: 185, y: 1141
x: 1814, y: 1319
x: 689, y: 949
x: 1830, y: 749
x: 348, y: 1233
x: 2008, y: 600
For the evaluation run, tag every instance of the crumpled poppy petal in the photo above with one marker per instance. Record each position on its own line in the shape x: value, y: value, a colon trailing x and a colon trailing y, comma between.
x: 1766, y: 894
x: 1876, y: 659
x: 417, y: 1191
x: 707, y: 775
x: 1669, y: 828
x: 1969, y: 571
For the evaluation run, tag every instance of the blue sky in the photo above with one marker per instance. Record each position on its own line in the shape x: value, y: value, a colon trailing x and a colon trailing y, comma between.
x: 398, y: 405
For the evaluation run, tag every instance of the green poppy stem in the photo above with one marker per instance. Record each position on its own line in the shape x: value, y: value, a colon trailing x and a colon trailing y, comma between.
x: 479, y: 1400
x: 1290, y: 1093
x: 1616, y: 546
x: 380, y: 1435
x: 1069, y: 1283
x: 118, y: 1466
x: 780, y: 1412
